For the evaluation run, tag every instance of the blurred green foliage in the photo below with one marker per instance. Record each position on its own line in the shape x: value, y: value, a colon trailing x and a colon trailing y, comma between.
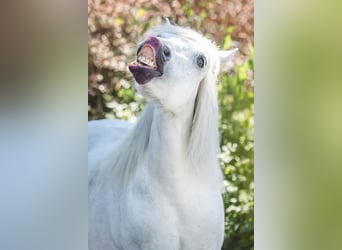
x: 236, y: 103
x: 113, y: 31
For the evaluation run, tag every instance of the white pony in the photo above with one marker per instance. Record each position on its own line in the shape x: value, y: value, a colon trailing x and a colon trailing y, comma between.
x: 156, y: 185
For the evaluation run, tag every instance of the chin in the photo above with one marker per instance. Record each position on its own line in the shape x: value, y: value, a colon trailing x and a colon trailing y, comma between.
x: 146, y: 90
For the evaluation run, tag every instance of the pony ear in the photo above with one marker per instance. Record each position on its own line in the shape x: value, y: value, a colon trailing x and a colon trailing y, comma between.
x: 226, y: 56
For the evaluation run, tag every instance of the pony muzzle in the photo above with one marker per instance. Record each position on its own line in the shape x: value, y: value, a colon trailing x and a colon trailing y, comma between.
x: 150, y: 61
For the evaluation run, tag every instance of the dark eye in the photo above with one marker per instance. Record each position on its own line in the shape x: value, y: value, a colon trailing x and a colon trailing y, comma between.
x: 201, y: 61
x: 166, y: 51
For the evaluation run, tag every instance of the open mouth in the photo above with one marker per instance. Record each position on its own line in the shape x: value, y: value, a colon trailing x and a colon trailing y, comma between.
x: 149, y: 63
x: 146, y: 57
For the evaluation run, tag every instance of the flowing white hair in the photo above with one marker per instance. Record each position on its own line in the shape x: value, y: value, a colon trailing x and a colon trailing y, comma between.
x: 204, y: 139
x: 135, y: 145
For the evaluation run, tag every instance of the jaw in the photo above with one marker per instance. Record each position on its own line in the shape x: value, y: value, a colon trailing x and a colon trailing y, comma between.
x: 153, y: 89
x: 166, y: 100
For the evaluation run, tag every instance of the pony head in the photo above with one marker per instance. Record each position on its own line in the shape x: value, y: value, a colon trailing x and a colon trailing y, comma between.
x: 172, y: 62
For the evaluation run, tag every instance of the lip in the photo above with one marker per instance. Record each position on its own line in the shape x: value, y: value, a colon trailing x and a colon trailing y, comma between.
x: 150, y: 61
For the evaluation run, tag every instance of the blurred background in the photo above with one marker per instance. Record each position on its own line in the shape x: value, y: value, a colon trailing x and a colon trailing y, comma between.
x: 114, y: 27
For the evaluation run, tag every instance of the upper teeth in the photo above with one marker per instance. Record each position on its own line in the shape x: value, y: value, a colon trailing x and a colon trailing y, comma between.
x: 146, y: 60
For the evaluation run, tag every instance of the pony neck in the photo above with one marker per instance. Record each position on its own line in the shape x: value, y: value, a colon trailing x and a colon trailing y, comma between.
x: 169, y: 140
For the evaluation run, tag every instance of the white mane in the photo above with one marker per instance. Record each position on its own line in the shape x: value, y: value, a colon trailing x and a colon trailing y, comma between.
x: 134, y: 146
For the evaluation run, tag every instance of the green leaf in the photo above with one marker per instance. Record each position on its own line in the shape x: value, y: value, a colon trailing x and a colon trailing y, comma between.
x: 227, y: 42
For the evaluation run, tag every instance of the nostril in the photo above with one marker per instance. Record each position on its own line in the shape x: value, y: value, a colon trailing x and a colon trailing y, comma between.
x: 166, y: 51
